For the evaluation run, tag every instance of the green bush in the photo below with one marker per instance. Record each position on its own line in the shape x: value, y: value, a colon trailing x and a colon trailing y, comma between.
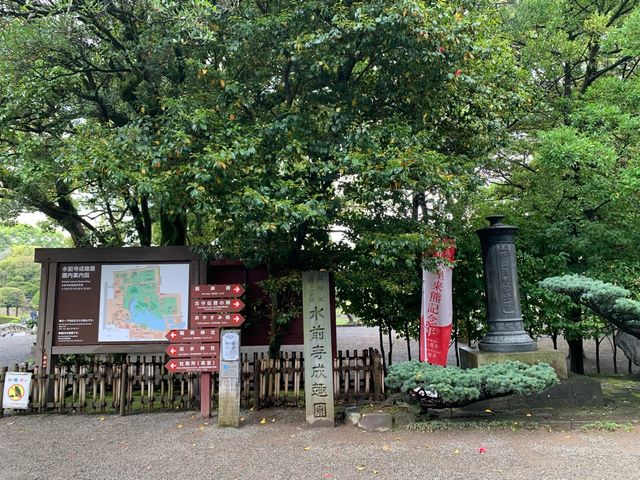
x: 613, y: 304
x: 446, y: 387
x: 8, y: 319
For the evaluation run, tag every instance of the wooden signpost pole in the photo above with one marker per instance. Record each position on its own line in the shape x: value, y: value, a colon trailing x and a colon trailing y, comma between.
x: 205, y: 394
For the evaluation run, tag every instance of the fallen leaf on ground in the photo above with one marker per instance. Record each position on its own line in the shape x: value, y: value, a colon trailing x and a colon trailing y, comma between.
x: 273, y: 419
x: 360, y: 467
x: 180, y: 426
x: 306, y: 449
x: 456, y: 451
x: 528, y: 414
x: 488, y: 410
x: 263, y: 421
x: 427, y: 445
x: 482, y: 450
x: 375, y: 472
x: 102, y: 419
x: 242, y: 419
x: 386, y: 448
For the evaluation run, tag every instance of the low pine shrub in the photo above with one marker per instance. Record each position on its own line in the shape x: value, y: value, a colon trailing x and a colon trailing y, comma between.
x: 446, y: 387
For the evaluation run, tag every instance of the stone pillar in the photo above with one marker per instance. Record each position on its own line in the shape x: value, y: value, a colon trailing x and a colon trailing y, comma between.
x: 506, y: 331
x: 318, y: 357
x: 229, y: 386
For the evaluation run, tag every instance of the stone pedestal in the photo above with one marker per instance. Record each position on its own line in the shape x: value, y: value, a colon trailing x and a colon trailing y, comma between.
x: 473, y: 358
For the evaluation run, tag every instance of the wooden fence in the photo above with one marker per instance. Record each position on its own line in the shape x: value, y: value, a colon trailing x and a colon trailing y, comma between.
x: 143, y: 383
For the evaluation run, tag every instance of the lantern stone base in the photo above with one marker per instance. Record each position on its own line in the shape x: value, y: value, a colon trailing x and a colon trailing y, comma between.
x: 473, y: 358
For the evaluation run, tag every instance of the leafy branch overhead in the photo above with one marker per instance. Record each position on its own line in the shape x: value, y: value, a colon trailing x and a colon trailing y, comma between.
x: 612, y: 303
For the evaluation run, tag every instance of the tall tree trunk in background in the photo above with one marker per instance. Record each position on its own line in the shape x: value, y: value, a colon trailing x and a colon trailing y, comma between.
x: 173, y: 228
x: 390, y: 353
x: 384, y: 360
x: 408, y: 338
x: 576, y: 348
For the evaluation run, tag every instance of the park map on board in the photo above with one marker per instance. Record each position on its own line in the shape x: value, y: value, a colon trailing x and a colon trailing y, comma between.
x: 142, y: 302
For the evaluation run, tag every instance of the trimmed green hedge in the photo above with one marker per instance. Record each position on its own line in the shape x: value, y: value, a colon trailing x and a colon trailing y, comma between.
x: 445, y: 387
x: 8, y: 319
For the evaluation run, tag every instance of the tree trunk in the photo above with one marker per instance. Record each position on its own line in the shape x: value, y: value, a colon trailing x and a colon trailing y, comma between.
x: 615, y: 353
x: 384, y: 360
x: 408, y: 338
x: 275, y: 337
x: 576, y: 347
x: 173, y: 228
x: 390, y: 354
x: 576, y: 354
x: 597, y: 355
x: 554, y: 339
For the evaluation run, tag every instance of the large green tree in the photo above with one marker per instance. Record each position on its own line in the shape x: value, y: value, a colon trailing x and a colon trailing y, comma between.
x: 570, y: 176
x: 256, y: 130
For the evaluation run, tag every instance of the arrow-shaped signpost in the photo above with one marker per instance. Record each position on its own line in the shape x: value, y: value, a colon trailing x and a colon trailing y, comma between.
x: 212, y: 307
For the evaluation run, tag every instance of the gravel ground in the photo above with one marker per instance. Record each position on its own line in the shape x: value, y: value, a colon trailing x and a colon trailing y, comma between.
x: 182, y: 445
x: 17, y: 348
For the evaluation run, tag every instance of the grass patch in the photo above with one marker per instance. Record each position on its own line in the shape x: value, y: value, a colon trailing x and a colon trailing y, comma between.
x: 444, y: 425
x: 606, y: 426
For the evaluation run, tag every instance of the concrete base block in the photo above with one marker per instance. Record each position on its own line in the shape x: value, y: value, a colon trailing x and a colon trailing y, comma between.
x: 352, y: 415
x: 376, y: 422
x: 473, y: 358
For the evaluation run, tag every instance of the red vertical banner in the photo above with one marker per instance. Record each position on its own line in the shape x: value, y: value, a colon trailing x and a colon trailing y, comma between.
x: 436, y: 313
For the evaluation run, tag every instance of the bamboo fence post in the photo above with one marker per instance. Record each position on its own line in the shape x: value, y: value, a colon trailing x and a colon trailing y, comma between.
x: 256, y: 382
x: 296, y: 379
x: 336, y: 379
x: 3, y: 374
x: 103, y: 382
x: 123, y: 386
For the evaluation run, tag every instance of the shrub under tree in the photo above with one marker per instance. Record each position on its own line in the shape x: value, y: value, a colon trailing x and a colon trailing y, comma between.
x: 447, y: 387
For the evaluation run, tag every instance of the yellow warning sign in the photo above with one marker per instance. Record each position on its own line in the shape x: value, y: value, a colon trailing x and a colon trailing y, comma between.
x: 15, y: 392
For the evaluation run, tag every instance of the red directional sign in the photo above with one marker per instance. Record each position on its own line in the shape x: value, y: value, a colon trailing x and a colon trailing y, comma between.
x: 194, y: 335
x: 192, y: 350
x: 208, y: 320
x: 202, y: 305
x: 217, y: 291
x: 192, y: 365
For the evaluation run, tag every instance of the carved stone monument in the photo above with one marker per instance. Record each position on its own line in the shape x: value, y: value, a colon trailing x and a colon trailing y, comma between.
x: 318, y: 358
x: 506, y: 330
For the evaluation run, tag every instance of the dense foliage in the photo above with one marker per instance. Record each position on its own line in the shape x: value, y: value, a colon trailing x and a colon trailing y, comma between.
x: 339, y: 135
x: 613, y: 304
x: 451, y: 386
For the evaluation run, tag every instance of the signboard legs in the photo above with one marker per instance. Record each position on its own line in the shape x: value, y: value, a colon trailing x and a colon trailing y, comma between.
x: 229, y: 389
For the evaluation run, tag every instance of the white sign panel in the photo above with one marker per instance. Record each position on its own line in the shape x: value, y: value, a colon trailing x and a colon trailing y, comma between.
x: 16, y: 390
x: 318, y: 356
x: 231, y: 345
